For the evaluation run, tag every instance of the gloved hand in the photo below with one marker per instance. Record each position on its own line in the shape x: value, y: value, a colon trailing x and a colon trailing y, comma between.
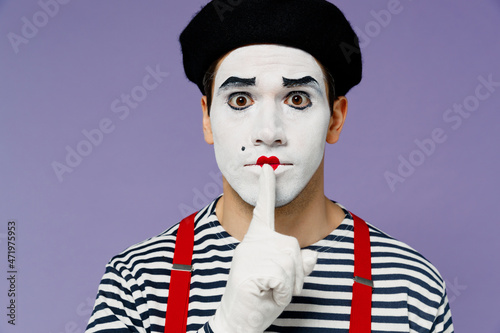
x: 267, y: 269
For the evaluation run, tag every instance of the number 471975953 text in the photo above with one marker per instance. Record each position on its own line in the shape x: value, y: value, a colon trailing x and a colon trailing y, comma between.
x: 11, y: 244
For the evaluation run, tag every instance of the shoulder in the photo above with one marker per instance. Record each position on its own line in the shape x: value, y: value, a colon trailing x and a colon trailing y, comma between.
x: 390, y: 252
x: 156, y: 253
x: 401, y: 275
x: 396, y: 265
x: 159, y: 248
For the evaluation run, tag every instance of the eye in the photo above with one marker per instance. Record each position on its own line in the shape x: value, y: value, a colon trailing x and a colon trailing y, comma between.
x: 239, y: 101
x: 298, y: 100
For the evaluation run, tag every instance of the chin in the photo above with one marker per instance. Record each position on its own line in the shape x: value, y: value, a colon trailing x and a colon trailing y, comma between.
x: 284, y: 196
x: 248, y: 193
x: 252, y: 200
x: 284, y: 202
x: 288, y: 188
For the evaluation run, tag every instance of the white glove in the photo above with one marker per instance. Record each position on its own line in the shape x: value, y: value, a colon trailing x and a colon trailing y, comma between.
x: 267, y: 269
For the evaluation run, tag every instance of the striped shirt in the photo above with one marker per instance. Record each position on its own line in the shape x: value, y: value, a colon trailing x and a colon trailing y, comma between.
x: 409, y: 294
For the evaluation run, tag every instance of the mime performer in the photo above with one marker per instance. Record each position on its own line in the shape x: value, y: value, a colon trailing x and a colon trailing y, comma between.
x: 272, y: 253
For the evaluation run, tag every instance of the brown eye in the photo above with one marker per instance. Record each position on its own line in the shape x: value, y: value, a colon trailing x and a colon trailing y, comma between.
x: 240, y: 101
x: 298, y: 100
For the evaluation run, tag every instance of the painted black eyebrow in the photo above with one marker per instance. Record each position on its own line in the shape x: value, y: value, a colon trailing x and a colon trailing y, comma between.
x: 235, y: 81
x: 288, y: 83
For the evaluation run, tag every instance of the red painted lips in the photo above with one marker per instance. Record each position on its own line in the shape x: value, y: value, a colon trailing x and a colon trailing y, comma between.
x: 273, y: 161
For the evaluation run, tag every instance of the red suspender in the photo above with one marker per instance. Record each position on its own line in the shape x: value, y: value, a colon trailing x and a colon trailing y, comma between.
x: 180, y: 278
x: 361, y: 306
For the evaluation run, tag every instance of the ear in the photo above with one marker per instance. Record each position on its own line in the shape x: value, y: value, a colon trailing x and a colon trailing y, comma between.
x: 337, y: 119
x: 207, y: 126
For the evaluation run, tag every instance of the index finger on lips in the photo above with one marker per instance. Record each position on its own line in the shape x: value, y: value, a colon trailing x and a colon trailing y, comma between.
x: 264, y: 209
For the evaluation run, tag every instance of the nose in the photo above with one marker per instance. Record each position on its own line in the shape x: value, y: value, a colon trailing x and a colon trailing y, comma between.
x: 268, y: 128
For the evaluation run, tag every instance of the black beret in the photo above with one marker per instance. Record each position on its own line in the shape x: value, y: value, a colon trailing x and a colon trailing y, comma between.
x: 315, y: 26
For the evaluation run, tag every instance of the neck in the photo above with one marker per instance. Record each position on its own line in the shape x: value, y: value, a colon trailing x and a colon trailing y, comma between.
x: 309, y: 217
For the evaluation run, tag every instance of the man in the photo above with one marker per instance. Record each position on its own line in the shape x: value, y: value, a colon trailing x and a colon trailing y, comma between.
x: 273, y: 253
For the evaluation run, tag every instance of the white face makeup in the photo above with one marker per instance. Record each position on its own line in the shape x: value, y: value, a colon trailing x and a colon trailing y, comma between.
x: 272, y: 101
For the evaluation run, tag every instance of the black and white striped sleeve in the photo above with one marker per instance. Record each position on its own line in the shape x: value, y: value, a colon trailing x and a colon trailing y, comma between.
x: 443, y: 322
x: 117, y: 306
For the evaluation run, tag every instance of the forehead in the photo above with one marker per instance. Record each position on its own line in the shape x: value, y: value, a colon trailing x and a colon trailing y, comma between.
x: 265, y: 60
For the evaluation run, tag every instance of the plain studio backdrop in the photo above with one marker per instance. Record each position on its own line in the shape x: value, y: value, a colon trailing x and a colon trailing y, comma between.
x: 101, y: 144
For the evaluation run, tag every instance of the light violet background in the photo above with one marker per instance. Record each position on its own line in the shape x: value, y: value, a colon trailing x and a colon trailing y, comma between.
x: 155, y: 167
